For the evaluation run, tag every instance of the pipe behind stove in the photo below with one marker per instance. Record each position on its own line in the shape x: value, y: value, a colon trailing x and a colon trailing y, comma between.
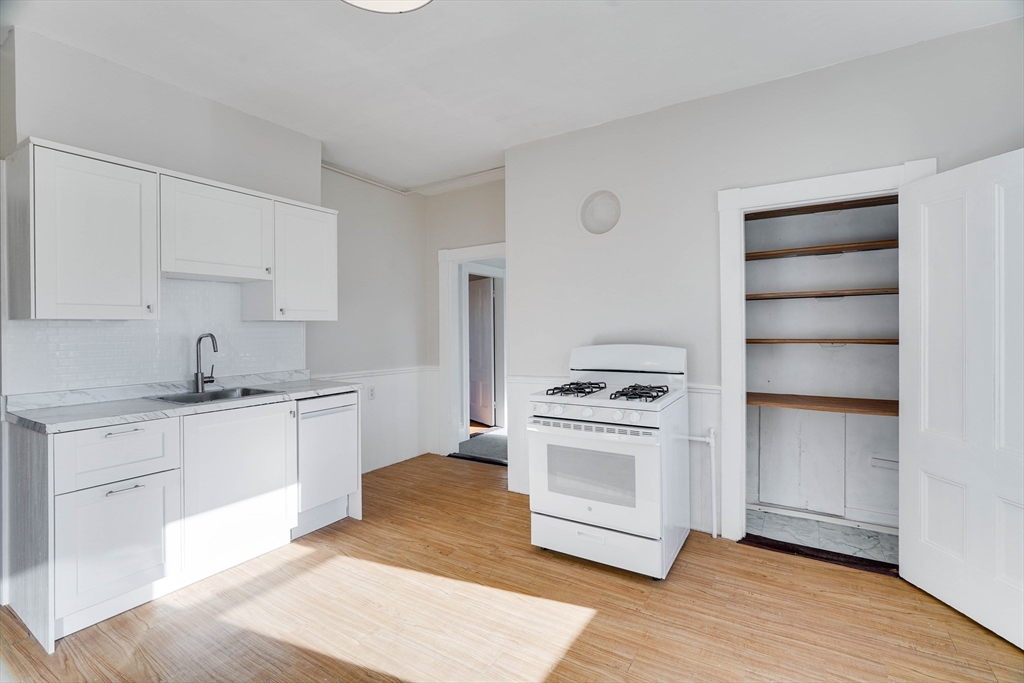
x: 710, y: 441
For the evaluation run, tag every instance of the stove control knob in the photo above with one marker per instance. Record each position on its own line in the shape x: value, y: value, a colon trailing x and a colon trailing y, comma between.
x: 541, y: 408
x: 557, y: 410
x: 617, y: 415
x: 588, y: 412
x: 634, y: 417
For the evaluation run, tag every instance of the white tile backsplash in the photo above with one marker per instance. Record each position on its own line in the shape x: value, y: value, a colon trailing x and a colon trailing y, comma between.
x: 58, y: 355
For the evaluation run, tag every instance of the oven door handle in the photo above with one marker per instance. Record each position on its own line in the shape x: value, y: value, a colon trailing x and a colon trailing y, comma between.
x: 638, y: 436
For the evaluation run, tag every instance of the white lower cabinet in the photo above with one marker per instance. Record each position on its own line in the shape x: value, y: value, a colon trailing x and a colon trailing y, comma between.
x: 103, y: 520
x: 239, y: 477
x: 112, y: 539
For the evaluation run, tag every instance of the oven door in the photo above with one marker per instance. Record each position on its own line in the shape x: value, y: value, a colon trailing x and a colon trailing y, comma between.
x: 603, y: 475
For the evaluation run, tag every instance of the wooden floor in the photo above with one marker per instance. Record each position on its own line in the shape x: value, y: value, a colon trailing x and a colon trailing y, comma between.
x: 477, y: 427
x: 440, y: 582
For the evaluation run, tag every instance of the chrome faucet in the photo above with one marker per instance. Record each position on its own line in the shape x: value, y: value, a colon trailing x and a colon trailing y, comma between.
x: 202, y: 380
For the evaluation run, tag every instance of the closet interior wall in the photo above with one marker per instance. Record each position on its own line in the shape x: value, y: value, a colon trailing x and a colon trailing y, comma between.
x: 823, y: 362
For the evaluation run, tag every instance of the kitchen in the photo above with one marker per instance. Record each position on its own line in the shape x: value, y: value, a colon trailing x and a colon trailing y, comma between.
x: 383, y: 336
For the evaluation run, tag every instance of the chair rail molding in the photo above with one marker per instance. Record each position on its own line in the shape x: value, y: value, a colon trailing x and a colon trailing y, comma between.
x: 733, y: 206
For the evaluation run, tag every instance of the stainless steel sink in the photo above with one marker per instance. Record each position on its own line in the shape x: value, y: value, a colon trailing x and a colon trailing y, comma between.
x: 214, y: 395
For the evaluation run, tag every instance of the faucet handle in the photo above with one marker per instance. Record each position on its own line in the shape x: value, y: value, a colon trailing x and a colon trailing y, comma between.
x: 209, y: 379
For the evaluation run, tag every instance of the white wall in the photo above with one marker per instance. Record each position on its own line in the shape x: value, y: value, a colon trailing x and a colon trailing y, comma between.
x: 76, y: 98
x: 386, y: 333
x: 958, y: 98
x: 382, y: 316
x: 56, y: 92
x: 58, y: 355
x: 468, y: 217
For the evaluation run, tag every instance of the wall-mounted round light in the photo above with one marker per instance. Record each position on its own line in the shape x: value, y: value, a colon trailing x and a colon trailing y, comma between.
x: 599, y: 211
x: 388, y: 6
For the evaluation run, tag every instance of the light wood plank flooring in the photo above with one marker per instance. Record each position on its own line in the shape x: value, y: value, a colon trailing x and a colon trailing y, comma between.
x: 477, y: 427
x: 440, y: 582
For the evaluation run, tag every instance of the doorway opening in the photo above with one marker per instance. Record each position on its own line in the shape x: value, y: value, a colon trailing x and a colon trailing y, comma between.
x: 473, y: 342
x: 822, y: 320
x: 771, y: 343
x: 488, y: 439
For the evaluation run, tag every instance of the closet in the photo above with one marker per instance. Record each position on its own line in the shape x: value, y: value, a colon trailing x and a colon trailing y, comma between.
x: 822, y: 320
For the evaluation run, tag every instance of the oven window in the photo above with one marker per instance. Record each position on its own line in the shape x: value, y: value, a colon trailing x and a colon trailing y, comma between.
x: 594, y: 475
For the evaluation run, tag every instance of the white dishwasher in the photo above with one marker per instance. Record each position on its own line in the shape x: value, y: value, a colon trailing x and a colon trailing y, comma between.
x: 329, y: 467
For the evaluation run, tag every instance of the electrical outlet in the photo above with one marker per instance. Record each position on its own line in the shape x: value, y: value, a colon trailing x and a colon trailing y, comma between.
x: 372, y: 392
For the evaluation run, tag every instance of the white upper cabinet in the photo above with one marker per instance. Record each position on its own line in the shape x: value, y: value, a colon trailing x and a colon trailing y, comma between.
x: 89, y: 235
x: 305, y: 285
x: 83, y: 238
x: 212, y: 233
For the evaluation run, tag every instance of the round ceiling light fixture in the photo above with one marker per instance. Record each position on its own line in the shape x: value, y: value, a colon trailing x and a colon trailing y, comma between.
x: 600, y: 211
x: 388, y: 6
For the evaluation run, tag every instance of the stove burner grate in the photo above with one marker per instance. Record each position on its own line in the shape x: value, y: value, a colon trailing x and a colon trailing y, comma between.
x: 640, y: 392
x: 577, y: 389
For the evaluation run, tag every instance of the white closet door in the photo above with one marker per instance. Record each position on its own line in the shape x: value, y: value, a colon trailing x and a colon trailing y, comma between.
x: 962, y: 390
x: 481, y: 350
x: 95, y: 239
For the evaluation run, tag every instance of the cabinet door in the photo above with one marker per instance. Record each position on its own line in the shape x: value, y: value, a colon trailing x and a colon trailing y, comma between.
x: 239, y: 485
x: 328, y: 450
x: 802, y: 460
x: 212, y: 232
x: 306, y: 258
x: 112, y: 539
x: 872, y: 469
x: 95, y: 239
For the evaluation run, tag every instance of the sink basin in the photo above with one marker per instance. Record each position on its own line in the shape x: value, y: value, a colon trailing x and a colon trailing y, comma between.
x: 213, y: 395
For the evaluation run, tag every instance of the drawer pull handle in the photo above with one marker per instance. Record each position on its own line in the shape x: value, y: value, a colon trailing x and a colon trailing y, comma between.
x: 111, y: 435
x: 137, y: 487
x: 593, y: 538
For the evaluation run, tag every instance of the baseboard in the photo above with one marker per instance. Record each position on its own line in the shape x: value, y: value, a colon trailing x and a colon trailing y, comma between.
x: 321, y: 516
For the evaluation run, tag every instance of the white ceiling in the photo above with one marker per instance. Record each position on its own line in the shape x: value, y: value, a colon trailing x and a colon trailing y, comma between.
x: 440, y: 93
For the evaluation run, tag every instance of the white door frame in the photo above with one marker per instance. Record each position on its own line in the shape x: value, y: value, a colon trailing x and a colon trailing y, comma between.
x: 454, y: 267
x: 733, y: 205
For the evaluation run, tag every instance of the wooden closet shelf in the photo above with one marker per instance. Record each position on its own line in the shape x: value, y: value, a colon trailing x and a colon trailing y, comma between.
x: 824, y: 249
x: 823, y: 341
x: 823, y: 294
x: 830, y: 404
x: 819, y: 208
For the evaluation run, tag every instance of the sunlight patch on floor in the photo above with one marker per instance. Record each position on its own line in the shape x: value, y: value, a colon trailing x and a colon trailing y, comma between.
x: 420, y: 626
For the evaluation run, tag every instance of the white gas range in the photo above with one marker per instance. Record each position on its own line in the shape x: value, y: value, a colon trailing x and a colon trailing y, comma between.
x: 609, y: 458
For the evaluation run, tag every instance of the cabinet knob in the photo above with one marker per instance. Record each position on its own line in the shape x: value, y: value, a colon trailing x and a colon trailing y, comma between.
x: 268, y: 270
x: 282, y: 311
x: 149, y: 307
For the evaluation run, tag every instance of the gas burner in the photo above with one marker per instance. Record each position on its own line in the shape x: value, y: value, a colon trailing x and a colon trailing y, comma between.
x: 640, y: 392
x: 577, y: 389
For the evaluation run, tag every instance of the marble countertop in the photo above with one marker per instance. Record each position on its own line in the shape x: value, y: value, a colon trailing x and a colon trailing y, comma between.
x: 69, y: 418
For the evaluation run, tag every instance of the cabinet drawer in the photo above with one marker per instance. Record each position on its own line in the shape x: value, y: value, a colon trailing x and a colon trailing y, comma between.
x: 614, y: 548
x: 93, y: 457
x: 112, y: 539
